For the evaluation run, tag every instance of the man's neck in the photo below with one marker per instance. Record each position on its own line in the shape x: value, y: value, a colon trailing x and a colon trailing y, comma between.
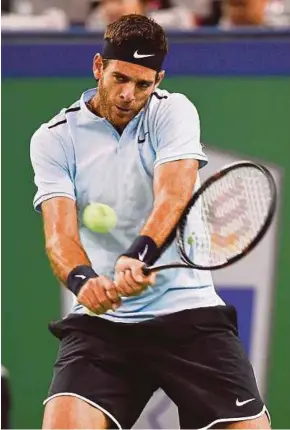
x: 94, y: 106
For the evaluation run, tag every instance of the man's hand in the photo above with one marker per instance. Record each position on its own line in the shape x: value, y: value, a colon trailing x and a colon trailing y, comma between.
x: 129, y: 278
x: 99, y: 295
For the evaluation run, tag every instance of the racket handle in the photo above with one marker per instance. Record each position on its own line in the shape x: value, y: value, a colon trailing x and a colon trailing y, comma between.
x: 146, y: 270
x: 175, y: 264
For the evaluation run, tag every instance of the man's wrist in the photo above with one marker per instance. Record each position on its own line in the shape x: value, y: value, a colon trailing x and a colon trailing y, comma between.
x: 78, y: 277
x: 143, y: 249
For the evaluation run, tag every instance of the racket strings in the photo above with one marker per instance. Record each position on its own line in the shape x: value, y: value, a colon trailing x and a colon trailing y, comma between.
x: 232, y: 211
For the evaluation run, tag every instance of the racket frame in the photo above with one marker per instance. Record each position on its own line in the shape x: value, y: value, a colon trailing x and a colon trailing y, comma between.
x: 186, y: 262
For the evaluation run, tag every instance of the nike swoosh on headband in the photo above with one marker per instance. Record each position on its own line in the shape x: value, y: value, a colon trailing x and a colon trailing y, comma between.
x: 136, y: 55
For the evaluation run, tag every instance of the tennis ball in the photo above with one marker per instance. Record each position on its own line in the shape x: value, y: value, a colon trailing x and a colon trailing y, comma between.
x: 99, y: 217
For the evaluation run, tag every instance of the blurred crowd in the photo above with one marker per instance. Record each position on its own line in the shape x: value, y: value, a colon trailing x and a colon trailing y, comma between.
x: 94, y: 15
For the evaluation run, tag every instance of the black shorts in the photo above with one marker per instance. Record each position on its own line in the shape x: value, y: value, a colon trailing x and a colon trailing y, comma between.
x: 195, y: 356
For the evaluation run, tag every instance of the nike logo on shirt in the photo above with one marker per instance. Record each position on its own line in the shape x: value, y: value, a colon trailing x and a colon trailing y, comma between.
x: 144, y: 138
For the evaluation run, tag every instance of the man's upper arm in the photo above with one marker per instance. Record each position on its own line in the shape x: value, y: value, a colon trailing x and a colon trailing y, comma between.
x: 176, y: 178
x: 178, y: 131
x: 52, y: 172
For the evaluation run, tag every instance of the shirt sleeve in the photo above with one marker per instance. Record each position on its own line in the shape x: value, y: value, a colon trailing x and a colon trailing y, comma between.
x: 52, y: 174
x: 178, y: 132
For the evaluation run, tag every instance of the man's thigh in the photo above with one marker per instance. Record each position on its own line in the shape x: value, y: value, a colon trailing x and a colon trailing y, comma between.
x: 71, y: 412
x: 206, y: 372
x: 98, y: 371
x: 262, y: 422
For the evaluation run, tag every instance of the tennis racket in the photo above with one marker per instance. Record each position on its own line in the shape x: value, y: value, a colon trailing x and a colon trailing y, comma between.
x: 225, y: 219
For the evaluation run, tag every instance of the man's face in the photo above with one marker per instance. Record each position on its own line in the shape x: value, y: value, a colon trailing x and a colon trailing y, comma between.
x: 123, y: 90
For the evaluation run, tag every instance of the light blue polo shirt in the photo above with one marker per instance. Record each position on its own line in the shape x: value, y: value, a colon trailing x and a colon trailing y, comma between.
x: 82, y: 156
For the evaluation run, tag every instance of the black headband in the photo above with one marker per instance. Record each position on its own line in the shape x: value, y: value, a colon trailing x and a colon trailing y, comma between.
x: 134, y: 51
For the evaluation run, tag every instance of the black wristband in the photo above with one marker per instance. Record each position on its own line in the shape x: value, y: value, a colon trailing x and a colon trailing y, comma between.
x: 78, y: 277
x: 143, y: 249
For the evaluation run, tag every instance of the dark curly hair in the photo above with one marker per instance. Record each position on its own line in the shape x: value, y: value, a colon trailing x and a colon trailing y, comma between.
x: 128, y: 27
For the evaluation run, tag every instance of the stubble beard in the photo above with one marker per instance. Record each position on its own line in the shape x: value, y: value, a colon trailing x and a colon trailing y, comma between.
x: 106, y: 107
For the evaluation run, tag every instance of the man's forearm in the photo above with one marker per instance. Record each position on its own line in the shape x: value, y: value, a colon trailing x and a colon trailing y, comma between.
x: 64, y: 255
x: 163, y: 219
x: 173, y: 187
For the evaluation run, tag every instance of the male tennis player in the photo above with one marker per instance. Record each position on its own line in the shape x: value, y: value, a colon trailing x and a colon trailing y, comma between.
x: 137, y: 149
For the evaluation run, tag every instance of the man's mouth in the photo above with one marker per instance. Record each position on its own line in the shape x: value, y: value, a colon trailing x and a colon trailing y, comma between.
x: 122, y: 109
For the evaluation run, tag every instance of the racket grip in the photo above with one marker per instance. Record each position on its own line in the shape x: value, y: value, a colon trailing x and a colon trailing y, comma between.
x: 146, y: 271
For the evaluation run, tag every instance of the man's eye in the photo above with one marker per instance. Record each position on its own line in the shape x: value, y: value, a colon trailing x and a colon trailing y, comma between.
x: 144, y: 85
x: 119, y: 79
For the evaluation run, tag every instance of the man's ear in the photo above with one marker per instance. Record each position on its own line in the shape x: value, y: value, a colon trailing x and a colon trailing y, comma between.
x: 97, y: 66
x: 160, y: 77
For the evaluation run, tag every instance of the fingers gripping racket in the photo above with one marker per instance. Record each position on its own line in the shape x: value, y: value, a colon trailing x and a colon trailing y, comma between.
x: 225, y: 219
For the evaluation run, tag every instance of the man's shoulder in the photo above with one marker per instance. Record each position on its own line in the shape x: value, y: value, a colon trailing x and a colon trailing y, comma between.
x: 64, y: 115
x: 162, y: 100
x: 58, y: 124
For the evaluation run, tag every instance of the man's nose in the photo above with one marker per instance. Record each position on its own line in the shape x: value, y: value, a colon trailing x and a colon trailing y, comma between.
x: 128, y: 92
